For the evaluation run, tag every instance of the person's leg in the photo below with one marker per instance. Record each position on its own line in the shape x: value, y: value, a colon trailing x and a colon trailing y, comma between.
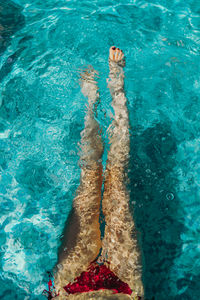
x: 120, y: 245
x: 82, y: 236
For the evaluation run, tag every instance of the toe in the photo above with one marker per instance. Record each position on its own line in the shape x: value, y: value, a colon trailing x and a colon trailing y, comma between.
x: 121, y: 55
x: 117, y: 55
x: 112, y: 52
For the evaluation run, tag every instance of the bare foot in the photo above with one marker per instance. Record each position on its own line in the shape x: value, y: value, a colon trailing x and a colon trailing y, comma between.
x: 116, y: 54
x: 88, y: 84
x: 89, y: 75
x: 116, y: 64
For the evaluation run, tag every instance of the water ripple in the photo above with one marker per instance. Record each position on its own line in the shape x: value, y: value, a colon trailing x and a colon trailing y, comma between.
x: 43, y: 45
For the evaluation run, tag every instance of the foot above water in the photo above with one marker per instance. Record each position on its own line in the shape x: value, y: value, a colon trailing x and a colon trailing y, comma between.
x: 116, y: 54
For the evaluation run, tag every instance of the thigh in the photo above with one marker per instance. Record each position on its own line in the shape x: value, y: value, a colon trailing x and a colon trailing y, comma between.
x: 120, y: 244
x: 82, y: 241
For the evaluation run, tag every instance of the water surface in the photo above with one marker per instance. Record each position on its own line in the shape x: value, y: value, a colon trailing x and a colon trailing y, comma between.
x: 44, y: 44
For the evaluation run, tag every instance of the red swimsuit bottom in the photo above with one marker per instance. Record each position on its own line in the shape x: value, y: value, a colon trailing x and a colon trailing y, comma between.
x: 96, y: 278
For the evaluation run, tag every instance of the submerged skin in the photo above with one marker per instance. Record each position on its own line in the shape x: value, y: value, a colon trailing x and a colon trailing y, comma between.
x: 119, y: 246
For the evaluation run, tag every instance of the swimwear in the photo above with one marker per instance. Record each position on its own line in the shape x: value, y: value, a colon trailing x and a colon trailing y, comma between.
x: 98, y: 277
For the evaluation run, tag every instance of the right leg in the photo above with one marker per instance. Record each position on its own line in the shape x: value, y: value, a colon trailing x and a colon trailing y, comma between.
x: 82, y: 238
x: 120, y: 244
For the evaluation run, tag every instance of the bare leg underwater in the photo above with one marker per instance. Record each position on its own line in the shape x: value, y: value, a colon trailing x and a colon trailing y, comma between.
x: 120, y: 244
x: 86, y: 206
x: 120, y: 249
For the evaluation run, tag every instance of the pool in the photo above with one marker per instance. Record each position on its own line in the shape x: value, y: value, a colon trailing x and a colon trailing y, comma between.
x: 43, y: 48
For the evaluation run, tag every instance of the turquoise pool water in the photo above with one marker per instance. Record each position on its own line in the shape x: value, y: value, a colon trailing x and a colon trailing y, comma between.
x: 44, y: 44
